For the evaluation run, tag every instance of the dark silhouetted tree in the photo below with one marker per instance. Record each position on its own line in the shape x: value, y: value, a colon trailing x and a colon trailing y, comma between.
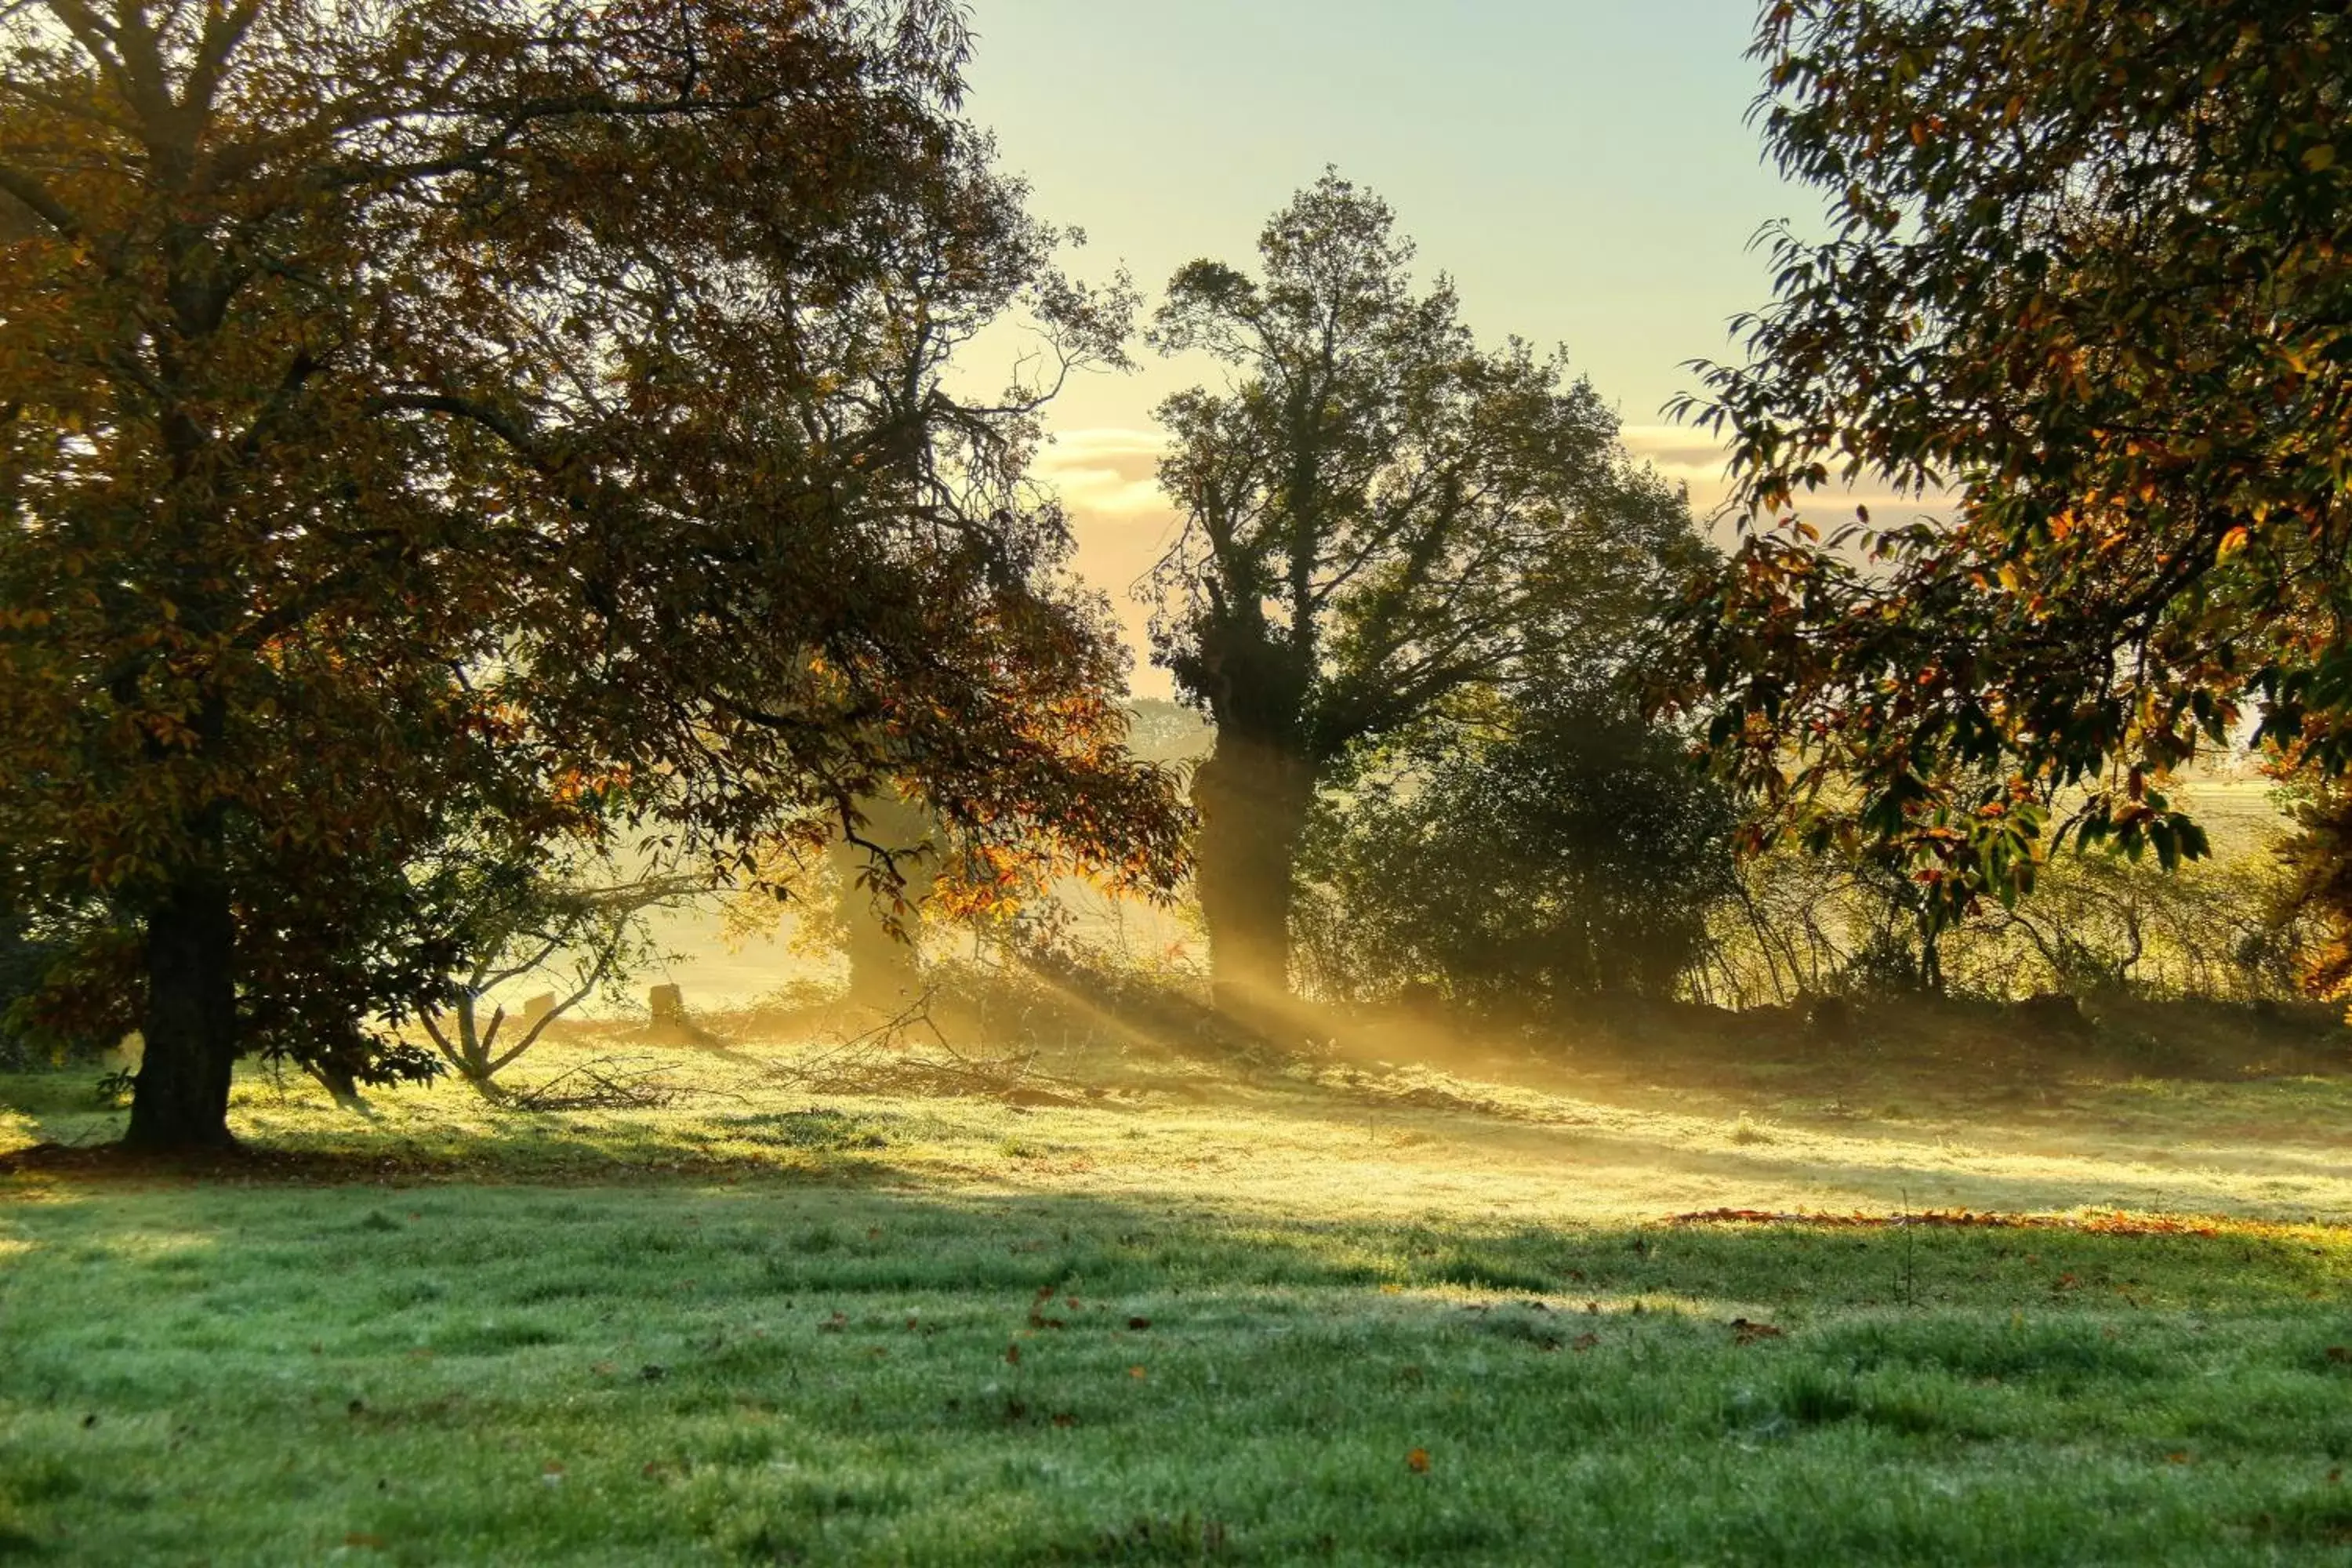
x: 511, y: 413
x: 1379, y: 517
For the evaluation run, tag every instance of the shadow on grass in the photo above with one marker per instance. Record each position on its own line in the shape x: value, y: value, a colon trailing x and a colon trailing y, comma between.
x: 772, y: 1237
x: 526, y: 1373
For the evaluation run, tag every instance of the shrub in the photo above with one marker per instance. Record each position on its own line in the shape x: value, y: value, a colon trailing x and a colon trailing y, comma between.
x: 1575, y: 851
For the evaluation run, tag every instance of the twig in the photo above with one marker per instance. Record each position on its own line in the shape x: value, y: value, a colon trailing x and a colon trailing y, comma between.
x: 606, y: 1090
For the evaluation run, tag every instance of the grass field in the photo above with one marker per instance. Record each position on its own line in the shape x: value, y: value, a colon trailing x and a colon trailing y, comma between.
x: 1331, y: 1310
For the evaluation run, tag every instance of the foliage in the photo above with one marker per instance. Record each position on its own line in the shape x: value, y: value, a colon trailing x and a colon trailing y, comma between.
x: 57, y: 1000
x: 495, y: 411
x: 1378, y: 516
x: 2317, y: 891
x: 2087, y: 274
x: 1575, y: 852
x: 1847, y: 922
x: 24, y: 963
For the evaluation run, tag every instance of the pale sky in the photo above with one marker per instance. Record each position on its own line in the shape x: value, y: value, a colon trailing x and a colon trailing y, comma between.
x: 1581, y: 168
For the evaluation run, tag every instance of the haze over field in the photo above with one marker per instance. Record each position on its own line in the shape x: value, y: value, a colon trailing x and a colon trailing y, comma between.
x: 1720, y: 935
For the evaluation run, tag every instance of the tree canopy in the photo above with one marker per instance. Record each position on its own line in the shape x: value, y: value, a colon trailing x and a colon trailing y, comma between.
x: 522, y: 415
x: 2087, y: 291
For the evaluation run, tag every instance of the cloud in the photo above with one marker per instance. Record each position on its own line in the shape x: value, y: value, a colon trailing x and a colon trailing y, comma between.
x: 1685, y: 457
x: 1108, y: 473
x: 1676, y: 448
x: 1108, y: 479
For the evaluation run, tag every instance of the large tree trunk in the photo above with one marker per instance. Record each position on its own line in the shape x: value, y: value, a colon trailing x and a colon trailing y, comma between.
x: 886, y: 969
x: 885, y: 972
x: 180, y: 1100
x: 1253, y: 799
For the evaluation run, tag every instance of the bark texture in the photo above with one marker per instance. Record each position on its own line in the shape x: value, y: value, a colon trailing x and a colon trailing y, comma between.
x: 180, y: 1100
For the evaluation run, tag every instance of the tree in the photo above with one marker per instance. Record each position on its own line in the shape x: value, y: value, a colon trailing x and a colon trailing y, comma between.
x: 581, y: 929
x: 1379, y: 517
x: 1563, y: 848
x: 877, y: 906
x: 2089, y: 272
x: 513, y: 414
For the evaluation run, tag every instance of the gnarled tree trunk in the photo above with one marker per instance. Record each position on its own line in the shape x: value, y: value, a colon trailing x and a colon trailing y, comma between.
x: 1252, y: 798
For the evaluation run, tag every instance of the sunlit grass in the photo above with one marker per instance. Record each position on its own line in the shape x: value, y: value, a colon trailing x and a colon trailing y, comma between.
x: 1193, y: 1314
x: 1344, y: 1138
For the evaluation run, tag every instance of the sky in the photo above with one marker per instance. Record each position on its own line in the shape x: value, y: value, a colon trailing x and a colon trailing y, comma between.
x: 1582, y: 169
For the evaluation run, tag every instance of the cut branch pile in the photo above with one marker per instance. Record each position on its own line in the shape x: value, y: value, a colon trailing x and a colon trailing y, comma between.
x: 608, y: 1083
x: 888, y: 1059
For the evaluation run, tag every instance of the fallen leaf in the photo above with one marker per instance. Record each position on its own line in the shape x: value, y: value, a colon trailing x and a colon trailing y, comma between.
x: 1418, y: 1461
x: 1136, y: 1371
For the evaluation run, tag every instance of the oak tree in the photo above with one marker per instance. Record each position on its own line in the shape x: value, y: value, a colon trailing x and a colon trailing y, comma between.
x: 514, y: 413
x: 2087, y: 291
x: 1378, y: 516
